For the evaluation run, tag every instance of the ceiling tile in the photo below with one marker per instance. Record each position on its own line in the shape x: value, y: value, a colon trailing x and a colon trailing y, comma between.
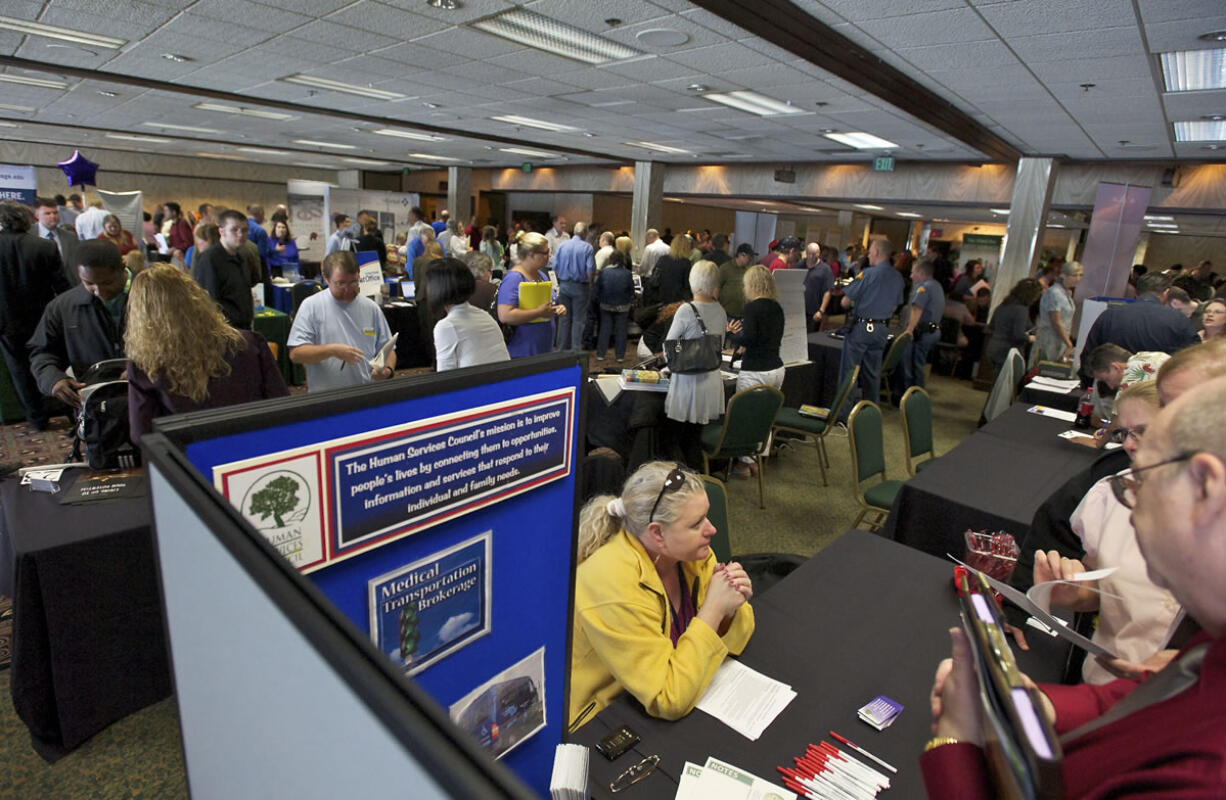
x: 721, y: 59
x: 1164, y: 37
x: 856, y: 10
x: 953, y: 26
x: 331, y: 34
x: 1117, y: 41
x: 373, y: 16
x: 1056, y: 16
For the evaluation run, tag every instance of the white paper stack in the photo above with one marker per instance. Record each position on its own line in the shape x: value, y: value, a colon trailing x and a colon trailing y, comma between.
x: 744, y: 699
x: 720, y: 781
x: 1055, y: 384
x: 569, y: 779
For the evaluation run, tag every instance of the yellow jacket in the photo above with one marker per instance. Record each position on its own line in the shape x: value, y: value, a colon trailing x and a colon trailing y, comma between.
x: 621, y: 636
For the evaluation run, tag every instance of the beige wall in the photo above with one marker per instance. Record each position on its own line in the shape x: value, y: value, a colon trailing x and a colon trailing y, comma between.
x: 186, y: 180
x: 1166, y: 249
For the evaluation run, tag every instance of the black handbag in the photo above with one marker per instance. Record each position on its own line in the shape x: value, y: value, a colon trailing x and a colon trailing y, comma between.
x: 693, y: 356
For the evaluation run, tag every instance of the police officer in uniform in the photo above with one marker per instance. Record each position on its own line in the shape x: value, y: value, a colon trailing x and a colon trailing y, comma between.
x: 876, y: 291
x: 924, y: 324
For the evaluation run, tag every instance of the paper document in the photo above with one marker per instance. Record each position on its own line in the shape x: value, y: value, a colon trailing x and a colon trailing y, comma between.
x: 1054, y: 384
x: 1039, y: 606
x: 718, y: 780
x: 744, y: 699
x: 1054, y: 413
x: 380, y: 359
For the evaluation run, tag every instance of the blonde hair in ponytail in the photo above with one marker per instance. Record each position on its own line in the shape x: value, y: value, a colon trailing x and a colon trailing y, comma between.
x: 596, y: 526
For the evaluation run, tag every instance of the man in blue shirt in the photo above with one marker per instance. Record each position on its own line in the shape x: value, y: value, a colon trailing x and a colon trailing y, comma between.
x: 575, y: 265
x: 876, y: 291
x: 257, y: 234
x: 924, y: 322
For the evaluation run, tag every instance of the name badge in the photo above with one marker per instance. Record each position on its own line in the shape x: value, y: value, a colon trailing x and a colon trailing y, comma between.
x: 369, y: 332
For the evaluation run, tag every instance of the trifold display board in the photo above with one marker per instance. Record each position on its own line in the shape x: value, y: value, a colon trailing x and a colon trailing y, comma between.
x: 437, y: 514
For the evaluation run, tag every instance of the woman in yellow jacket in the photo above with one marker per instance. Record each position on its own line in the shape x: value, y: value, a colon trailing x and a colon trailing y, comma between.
x: 655, y: 614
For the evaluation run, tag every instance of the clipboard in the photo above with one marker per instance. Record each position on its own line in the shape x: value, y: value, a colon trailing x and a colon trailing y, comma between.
x: 1023, y: 752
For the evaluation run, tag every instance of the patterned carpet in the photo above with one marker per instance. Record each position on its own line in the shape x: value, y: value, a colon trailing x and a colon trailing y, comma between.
x: 6, y: 631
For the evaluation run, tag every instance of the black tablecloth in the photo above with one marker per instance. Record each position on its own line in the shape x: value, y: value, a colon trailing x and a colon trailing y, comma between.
x: 825, y: 351
x: 88, y: 631
x: 1065, y: 401
x: 839, y: 640
x: 994, y: 480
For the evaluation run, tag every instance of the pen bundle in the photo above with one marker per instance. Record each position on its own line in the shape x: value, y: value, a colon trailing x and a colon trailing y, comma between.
x: 994, y: 554
x: 825, y: 772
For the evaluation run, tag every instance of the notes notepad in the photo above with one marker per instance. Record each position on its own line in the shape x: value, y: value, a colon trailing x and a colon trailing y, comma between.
x: 532, y: 294
x: 569, y: 778
x: 744, y: 699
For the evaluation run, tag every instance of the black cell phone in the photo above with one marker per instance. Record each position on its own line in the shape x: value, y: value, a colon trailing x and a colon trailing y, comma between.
x: 617, y: 742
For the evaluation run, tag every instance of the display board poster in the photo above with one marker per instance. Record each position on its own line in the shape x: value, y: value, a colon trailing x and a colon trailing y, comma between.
x: 332, y: 500
x: 426, y: 610
x: 370, y: 274
x: 310, y: 222
x: 17, y: 182
x: 507, y: 709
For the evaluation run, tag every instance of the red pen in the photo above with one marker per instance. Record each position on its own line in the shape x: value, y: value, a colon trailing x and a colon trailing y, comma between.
x: 862, y: 751
x: 866, y: 773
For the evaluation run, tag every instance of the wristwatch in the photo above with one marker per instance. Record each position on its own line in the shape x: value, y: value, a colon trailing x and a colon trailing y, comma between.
x: 940, y: 741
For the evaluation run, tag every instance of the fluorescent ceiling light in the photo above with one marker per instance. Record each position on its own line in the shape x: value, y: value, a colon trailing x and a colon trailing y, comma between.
x: 1155, y: 218
x: 869, y: 207
x: 1200, y: 131
x: 4, y: 124
x: 18, y: 109
x: 556, y: 38
x: 1193, y: 70
x: 226, y: 156
x: 43, y: 83
x: 263, y: 151
x: 999, y: 211
x: 131, y: 138
x: 429, y: 157
x: 529, y: 122
x: 421, y: 137
x: 1054, y: 225
x: 754, y: 103
x: 910, y: 214
x: 659, y: 148
x: 366, y: 162
x: 314, y: 143
x: 342, y: 86
x: 246, y: 112
x: 523, y: 151
x: 1163, y: 225
x: 860, y: 140
x: 187, y: 128
x: 313, y: 165
x: 65, y: 34
x: 814, y: 210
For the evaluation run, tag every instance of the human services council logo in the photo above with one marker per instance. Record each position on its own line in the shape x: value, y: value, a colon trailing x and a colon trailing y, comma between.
x: 277, y: 500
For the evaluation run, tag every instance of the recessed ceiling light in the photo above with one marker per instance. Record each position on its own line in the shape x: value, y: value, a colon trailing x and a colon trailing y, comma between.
x: 313, y: 143
x: 422, y: 137
x: 65, y: 34
x: 168, y: 126
x: 429, y: 157
x: 1054, y: 225
x: 42, y: 83
x: 366, y: 162
x: 1200, y: 131
x: 225, y: 156
x: 755, y: 103
x: 133, y: 138
x: 1157, y: 218
x: 263, y: 151
x: 910, y: 214
x: 1004, y: 211
x: 105, y: 93
x: 431, y: 105
x: 861, y: 141
x: 18, y: 109
x: 659, y: 148
x: 662, y: 37
x: 175, y: 57
x: 523, y: 151
x: 529, y: 122
x: 7, y: 124
x: 1193, y: 70
x: 1213, y: 36
x: 341, y: 86
x: 698, y: 87
x: 445, y: 5
x: 556, y: 38
x: 1213, y: 117
x: 869, y: 207
x: 1212, y: 147
x: 246, y: 112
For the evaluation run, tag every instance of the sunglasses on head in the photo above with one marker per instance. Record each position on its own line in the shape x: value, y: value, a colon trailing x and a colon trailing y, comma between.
x: 672, y: 482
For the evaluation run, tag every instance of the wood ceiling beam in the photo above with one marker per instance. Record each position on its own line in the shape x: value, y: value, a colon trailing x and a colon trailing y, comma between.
x: 782, y: 23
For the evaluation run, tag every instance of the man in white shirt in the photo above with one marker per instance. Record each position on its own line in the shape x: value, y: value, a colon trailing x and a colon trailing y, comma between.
x: 89, y: 221
x: 606, y: 250
x: 340, y: 238
x: 652, y: 252
x: 557, y: 234
x: 338, y: 332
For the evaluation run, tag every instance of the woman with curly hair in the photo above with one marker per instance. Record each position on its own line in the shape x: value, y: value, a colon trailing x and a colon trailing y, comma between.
x: 183, y: 356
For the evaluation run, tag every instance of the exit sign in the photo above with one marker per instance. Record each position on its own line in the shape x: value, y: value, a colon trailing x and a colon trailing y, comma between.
x: 526, y: 166
x: 883, y: 164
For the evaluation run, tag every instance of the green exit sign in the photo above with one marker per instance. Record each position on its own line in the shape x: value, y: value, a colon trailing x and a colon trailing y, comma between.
x: 526, y: 166
x: 883, y: 164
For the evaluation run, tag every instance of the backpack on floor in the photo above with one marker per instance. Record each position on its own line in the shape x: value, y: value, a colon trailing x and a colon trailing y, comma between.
x: 102, y: 427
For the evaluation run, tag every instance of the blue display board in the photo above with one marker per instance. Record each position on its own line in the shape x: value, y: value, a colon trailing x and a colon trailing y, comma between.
x: 443, y: 525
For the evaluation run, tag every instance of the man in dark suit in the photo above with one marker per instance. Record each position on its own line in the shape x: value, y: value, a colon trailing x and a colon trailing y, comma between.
x: 31, y: 275
x: 47, y: 211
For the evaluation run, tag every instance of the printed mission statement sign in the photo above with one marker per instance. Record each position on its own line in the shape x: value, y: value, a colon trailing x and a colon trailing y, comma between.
x: 393, y: 482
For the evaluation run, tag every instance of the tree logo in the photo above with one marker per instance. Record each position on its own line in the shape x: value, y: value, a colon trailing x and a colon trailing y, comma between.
x: 276, y: 500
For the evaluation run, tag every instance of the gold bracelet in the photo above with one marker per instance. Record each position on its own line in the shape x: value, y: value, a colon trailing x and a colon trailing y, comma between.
x: 940, y: 741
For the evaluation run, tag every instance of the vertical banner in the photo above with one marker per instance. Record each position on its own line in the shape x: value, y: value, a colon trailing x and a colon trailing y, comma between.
x: 986, y: 249
x: 1115, y: 229
x: 17, y: 183
x: 309, y: 217
x: 128, y: 207
x: 794, y: 348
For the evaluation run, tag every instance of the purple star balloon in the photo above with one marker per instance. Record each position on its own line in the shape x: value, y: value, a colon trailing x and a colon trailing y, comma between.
x: 79, y: 169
